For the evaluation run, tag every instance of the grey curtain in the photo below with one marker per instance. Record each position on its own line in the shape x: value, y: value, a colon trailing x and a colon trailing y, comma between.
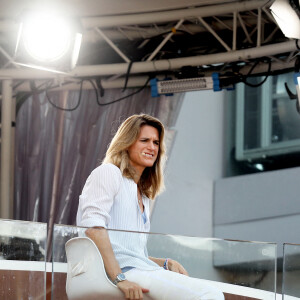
x: 56, y: 150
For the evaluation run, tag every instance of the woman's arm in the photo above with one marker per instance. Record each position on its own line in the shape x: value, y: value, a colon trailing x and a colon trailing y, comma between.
x: 100, y: 237
x: 171, y: 265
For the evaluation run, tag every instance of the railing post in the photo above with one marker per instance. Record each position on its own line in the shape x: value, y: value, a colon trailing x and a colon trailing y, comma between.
x: 6, y: 200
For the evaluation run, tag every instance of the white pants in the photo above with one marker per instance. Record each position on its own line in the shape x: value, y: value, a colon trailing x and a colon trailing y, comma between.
x: 167, y: 285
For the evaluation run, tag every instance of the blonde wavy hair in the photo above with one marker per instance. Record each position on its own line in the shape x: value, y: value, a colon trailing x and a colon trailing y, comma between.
x: 151, y: 182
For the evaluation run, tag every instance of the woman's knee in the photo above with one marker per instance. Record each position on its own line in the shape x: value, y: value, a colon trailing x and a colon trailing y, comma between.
x: 213, y: 294
x: 218, y: 295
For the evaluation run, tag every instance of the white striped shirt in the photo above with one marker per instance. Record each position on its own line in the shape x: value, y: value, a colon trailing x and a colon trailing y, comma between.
x: 109, y: 200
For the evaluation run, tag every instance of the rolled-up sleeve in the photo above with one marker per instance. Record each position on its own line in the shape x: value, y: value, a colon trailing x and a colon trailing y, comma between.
x: 97, y: 196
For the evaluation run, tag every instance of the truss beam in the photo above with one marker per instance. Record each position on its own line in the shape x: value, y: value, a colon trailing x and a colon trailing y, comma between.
x: 110, y: 42
x: 8, y: 57
x: 136, y: 81
x: 258, y: 43
x: 234, y: 31
x: 223, y: 23
x: 120, y: 33
x: 155, y: 66
x: 6, y: 149
x: 165, y: 40
x: 171, y: 16
x: 214, y: 34
x: 244, y: 28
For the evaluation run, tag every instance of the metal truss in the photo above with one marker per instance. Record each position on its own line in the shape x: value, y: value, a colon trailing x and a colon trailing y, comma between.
x: 213, y: 38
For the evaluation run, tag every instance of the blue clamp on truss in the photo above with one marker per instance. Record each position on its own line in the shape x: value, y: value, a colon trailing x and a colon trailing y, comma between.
x: 154, y: 90
x: 154, y: 87
x: 216, y: 82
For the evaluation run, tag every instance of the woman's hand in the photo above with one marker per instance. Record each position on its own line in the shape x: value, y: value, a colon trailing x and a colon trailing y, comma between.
x: 131, y: 290
x: 175, y: 266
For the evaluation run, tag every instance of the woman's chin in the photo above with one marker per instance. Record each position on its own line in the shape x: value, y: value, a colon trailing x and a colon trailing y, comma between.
x: 149, y: 164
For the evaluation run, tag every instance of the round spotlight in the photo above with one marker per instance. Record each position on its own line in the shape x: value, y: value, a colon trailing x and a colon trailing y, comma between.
x: 48, y: 40
x: 46, y: 37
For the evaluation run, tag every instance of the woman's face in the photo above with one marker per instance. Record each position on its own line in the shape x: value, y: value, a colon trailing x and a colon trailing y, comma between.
x: 143, y: 152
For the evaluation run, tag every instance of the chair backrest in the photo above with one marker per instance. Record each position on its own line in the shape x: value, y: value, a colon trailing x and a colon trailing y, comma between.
x: 86, y: 277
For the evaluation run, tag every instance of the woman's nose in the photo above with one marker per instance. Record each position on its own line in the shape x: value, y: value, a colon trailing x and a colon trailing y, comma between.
x: 151, y: 146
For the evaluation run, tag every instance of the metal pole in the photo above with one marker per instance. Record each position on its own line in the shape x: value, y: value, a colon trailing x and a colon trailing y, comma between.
x: 165, y: 40
x: 6, y: 118
x: 12, y: 154
x: 244, y: 28
x: 258, y: 44
x: 111, y: 43
x: 10, y: 59
x: 171, y: 16
x: 214, y: 34
x: 60, y: 136
x: 155, y: 66
x: 138, y: 81
x: 234, y: 31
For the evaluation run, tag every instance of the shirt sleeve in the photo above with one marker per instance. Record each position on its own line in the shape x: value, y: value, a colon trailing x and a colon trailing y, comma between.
x: 98, y: 195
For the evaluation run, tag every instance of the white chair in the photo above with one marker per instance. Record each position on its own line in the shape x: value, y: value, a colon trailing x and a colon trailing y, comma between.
x: 86, y: 277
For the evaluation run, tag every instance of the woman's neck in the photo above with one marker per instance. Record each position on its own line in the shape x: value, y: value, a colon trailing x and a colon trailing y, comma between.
x: 137, y: 177
x: 138, y: 174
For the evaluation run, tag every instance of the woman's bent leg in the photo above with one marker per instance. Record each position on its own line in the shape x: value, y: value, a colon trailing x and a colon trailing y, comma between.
x: 167, y: 285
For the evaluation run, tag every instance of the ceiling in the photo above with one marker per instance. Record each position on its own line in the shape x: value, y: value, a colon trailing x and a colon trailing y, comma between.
x: 161, y: 38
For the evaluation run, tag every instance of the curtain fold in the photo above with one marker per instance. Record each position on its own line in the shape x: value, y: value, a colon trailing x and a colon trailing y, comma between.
x: 56, y: 150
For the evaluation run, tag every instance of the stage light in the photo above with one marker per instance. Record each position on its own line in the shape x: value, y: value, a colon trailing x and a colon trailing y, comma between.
x: 180, y: 85
x: 48, y: 41
x: 46, y: 38
x: 297, y: 82
x: 286, y: 18
x: 169, y: 86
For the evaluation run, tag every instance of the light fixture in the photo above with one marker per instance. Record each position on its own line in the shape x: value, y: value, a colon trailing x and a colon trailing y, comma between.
x: 48, y: 40
x: 169, y: 86
x: 297, y: 82
x: 286, y: 17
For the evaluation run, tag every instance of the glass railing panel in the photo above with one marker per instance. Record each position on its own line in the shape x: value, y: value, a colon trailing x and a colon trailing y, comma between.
x: 291, y: 271
x: 239, y: 263
x: 236, y: 267
x: 22, y: 260
x: 61, y: 234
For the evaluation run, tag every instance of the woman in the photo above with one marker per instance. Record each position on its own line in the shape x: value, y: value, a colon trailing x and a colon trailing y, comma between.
x: 117, y: 196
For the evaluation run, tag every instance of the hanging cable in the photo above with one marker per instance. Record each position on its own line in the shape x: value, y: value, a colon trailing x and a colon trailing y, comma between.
x: 297, y: 45
x: 35, y: 90
x: 67, y: 109
x: 100, y: 87
x: 127, y: 75
x: 117, y: 100
x: 244, y: 78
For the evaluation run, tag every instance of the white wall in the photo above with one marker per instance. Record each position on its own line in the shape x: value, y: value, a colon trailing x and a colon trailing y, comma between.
x: 196, y: 160
x: 259, y: 207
